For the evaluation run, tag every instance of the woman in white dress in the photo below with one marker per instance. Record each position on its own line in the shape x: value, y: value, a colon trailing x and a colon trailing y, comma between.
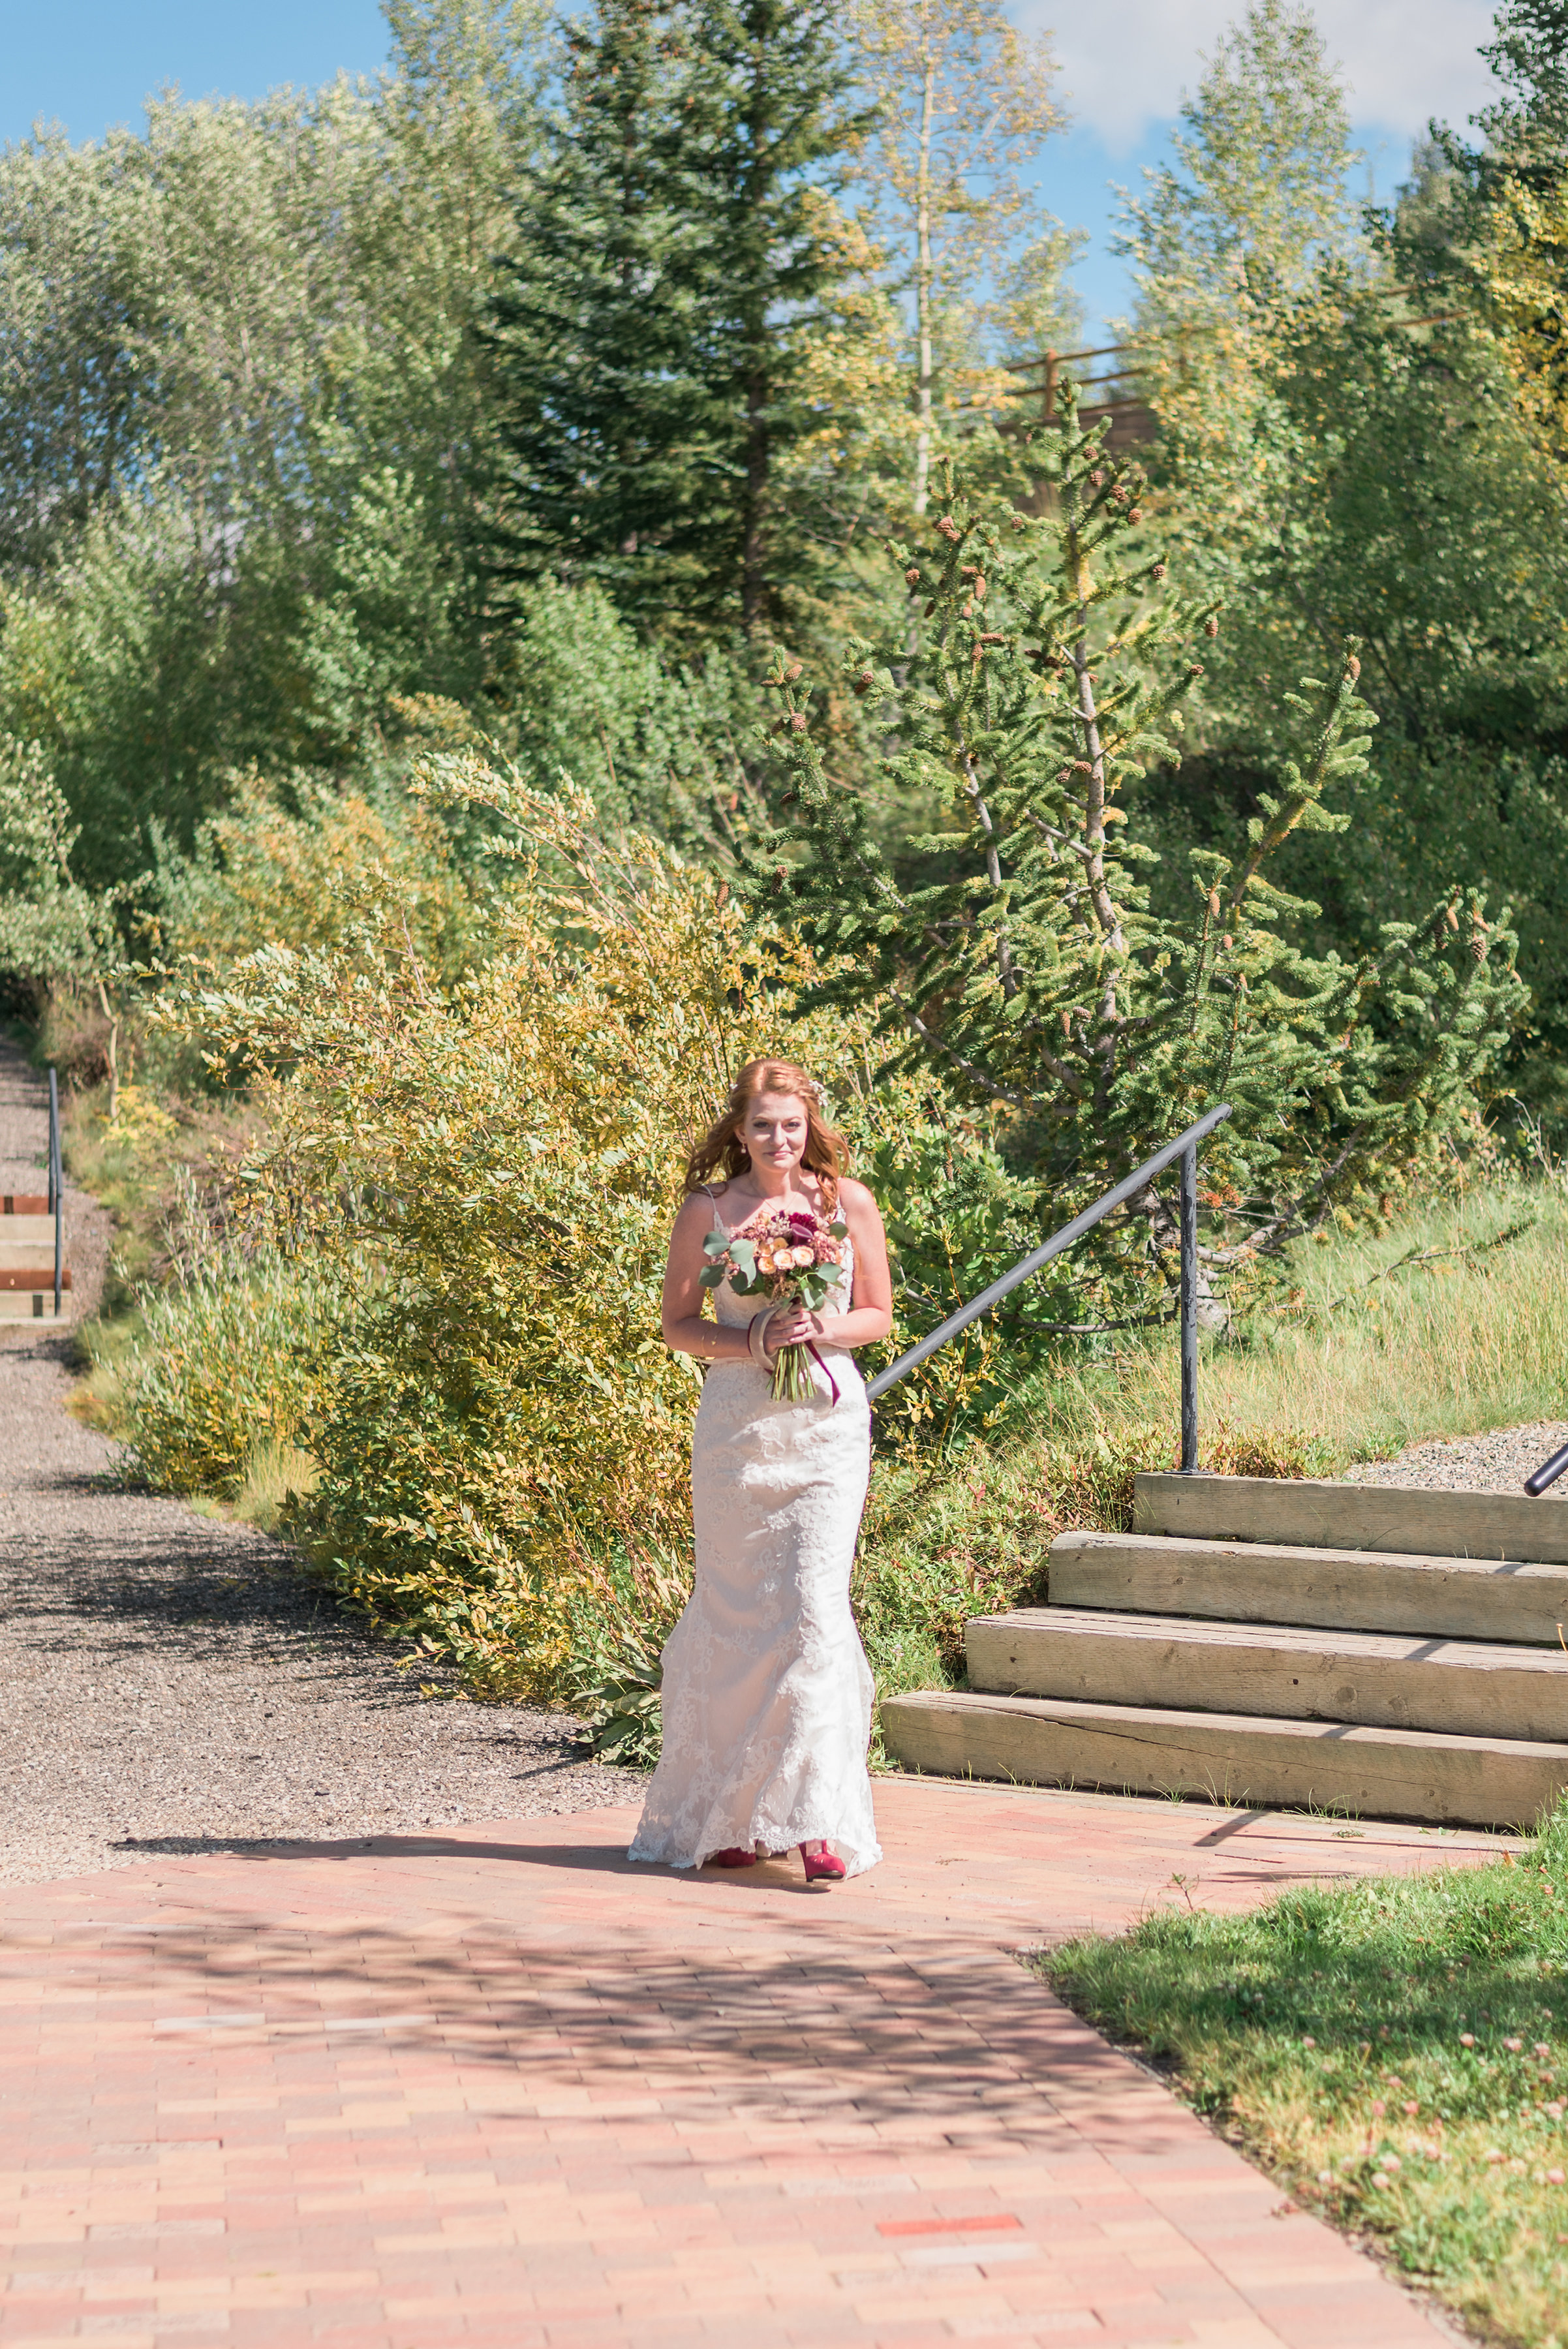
x: 767, y: 1695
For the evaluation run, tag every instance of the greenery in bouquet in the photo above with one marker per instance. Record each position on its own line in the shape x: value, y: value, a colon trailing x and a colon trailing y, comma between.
x: 790, y: 1260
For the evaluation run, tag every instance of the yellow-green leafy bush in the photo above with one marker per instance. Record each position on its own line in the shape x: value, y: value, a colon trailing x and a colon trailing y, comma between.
x: 489, y: 1169
x: 228, y: 1359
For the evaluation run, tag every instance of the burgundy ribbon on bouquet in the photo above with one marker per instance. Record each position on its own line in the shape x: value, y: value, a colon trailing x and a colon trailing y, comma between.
x: 821, y: 1366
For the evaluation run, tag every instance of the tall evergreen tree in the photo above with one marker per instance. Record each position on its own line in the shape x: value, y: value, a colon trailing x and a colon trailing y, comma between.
x: 778, y: 84
x: 605, y: 438
x: 1492, y: 227
x: 648, y: 333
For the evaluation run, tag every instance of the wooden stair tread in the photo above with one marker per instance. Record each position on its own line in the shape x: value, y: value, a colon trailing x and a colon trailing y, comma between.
x: 1306, y: 1639
x: 1317, y: 1513
x: 1406, y: 1682
x: 1520, y: 1601
x: 1234, y: 1758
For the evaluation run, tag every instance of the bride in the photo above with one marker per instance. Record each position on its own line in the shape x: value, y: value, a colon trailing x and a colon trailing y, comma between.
x: 767, y: 1695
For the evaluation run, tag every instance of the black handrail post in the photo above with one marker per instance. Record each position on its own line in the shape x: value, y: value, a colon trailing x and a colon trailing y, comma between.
x: 1190, y: 1311
x: 1184, y: 1146
x: 57, y: 1183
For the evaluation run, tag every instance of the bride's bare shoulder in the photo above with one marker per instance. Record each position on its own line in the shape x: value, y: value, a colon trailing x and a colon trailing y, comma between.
x: 854, y: 1197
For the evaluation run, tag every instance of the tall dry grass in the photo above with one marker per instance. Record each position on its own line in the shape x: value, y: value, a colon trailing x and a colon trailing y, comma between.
x: 1452, y: 1321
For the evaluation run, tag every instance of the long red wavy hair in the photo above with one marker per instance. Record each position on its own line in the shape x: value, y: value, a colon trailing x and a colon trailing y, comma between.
x: 721, y: 1151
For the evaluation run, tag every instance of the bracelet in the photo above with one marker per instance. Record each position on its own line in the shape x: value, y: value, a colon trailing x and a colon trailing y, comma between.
x: 755, y: 1335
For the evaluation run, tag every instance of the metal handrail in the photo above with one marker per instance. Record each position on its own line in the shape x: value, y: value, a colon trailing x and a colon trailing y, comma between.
x: 1547, y: 1473
x: 1184, y: 1147
x: 57, y: 1184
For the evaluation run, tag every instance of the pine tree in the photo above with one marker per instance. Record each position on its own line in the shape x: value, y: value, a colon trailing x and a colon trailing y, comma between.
x: 607, y: 444
x: 1031, y: 969
x: 650, y: 340
x: 775, y: 116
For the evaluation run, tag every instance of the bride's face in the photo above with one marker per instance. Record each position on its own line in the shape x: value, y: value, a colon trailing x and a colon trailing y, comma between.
x: 774, y: 1132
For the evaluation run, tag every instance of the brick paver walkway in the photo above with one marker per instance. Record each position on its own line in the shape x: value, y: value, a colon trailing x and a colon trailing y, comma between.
x: 493, y: 2085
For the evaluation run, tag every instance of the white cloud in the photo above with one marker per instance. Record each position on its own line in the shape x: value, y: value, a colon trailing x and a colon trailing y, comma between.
x: 1125, y: 62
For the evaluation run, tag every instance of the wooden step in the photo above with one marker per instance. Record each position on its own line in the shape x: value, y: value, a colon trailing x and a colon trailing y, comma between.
x: 25, y: 1203
x: 1385, y: 1774
x: 27, y: 1231
x: 1463, y: 1687
x: 1323, y: 1515
x: 33, y: 1277
x: 1268, y: 1582
x: 31, y: 1305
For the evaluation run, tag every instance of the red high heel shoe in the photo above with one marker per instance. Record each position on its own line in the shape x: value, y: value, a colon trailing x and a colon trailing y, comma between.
x: 734, y: 1857
x: 821, y: 1864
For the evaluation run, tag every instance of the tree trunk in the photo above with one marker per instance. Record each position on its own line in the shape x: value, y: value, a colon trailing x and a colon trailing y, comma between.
x: 754, y: 552
x: 754, y: 543
x: 923, y: 293
x: 103, y: 1004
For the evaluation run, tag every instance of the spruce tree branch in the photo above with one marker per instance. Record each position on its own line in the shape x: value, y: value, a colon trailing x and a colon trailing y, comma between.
x: 1293, y: 1221
x: 1064, y: 1076
x: 1005, y: 971
x: 1059, y: 839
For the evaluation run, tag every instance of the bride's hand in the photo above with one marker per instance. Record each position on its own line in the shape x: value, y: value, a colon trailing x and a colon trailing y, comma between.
x: 793, y: 1326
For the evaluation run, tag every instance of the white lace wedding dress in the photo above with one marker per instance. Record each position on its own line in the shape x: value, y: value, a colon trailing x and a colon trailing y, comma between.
x: 767, y: 1693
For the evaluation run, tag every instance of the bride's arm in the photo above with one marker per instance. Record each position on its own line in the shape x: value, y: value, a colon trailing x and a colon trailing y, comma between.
x: 685, y: 1330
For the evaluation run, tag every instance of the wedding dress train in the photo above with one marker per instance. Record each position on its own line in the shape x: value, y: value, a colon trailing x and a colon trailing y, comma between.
x: 767, y: 1695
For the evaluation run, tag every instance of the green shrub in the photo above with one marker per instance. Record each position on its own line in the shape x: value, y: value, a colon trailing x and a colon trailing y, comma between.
x: 227, y: 1359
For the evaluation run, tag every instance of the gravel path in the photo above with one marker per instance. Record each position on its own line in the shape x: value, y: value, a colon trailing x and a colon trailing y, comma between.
x: 1498, y: 1462
x: 172, y: 1686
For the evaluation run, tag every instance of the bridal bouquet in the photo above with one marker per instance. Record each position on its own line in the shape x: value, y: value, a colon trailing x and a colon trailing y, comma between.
x: 790, y: 1260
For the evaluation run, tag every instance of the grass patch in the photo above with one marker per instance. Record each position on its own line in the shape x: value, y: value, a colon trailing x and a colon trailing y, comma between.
x: 1451, y: 1320
x: 1394, y: 2050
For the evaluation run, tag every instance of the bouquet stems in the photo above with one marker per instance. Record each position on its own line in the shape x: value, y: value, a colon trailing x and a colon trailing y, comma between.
x: 792, y: 1380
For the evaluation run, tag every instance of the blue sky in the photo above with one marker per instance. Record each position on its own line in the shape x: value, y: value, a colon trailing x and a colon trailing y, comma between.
x: 1125, y: 63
